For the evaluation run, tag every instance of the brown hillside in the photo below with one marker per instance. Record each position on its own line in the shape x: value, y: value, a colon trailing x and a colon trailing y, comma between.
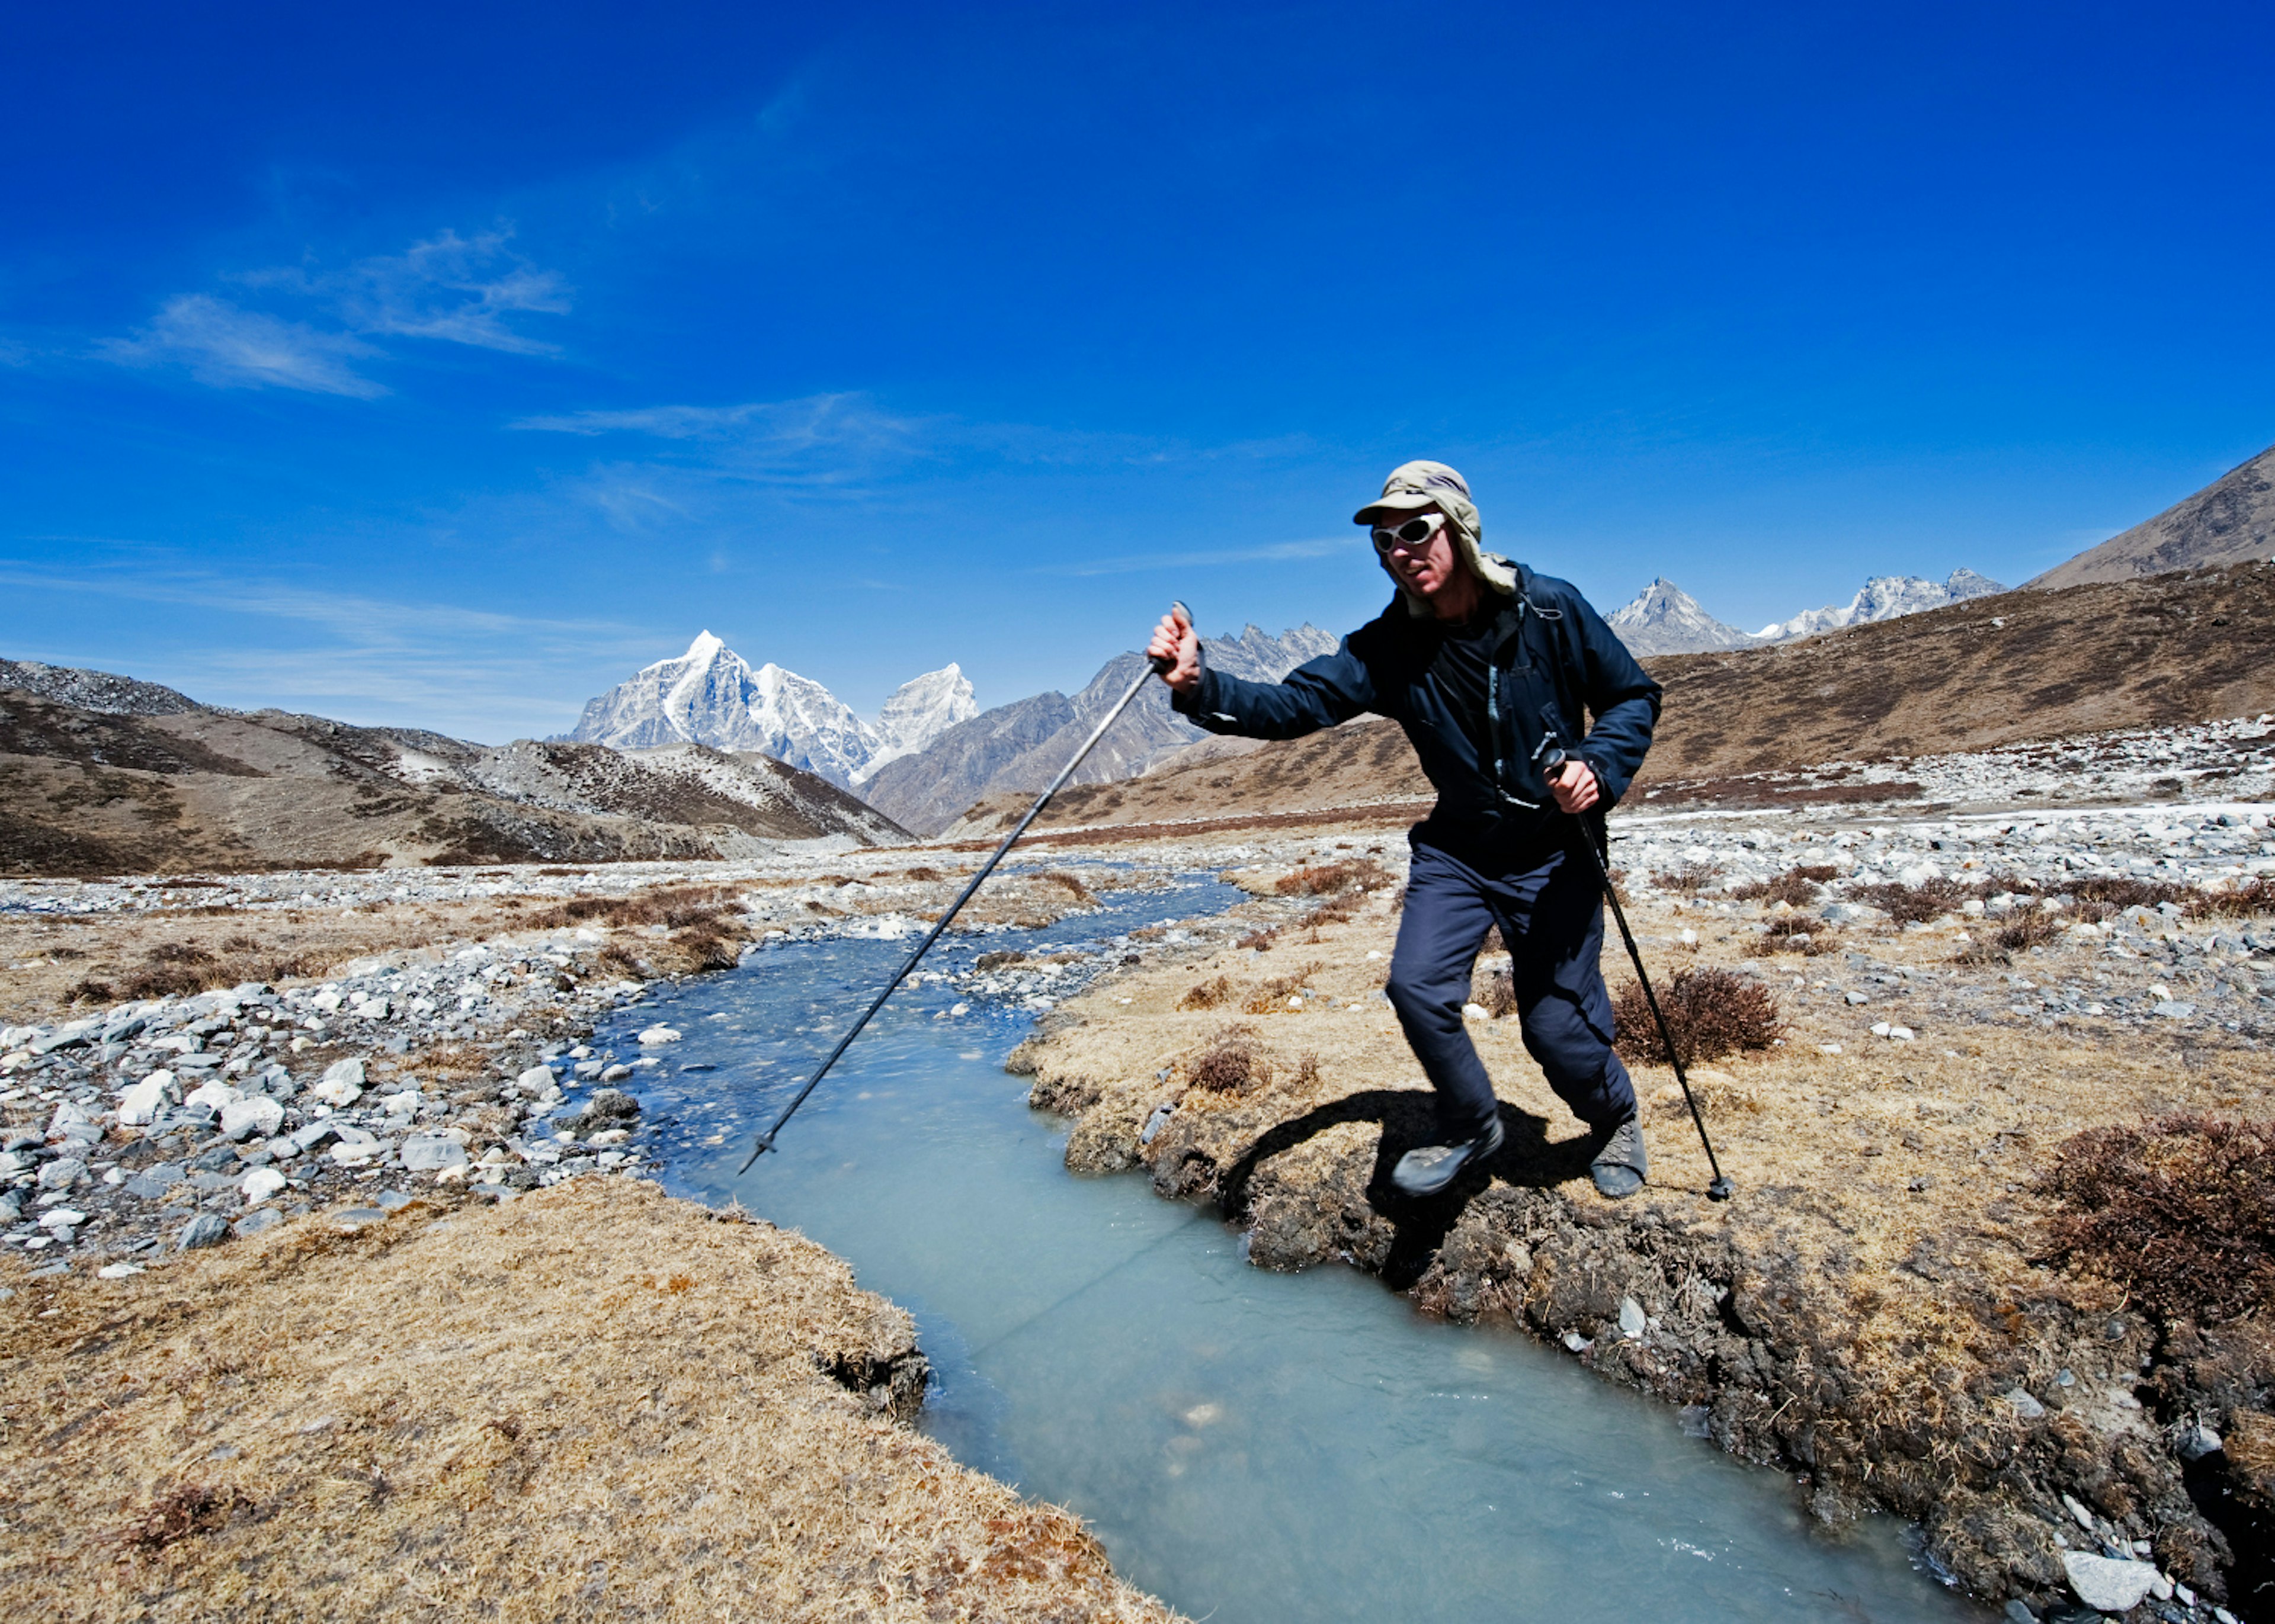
x: 2230, y: 521
x: 2024, y: 665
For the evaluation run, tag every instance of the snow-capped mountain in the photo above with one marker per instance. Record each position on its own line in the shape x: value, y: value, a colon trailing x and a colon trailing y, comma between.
x: 1664, y: 619
x: 1883, y: 597
x: 918, y: 712
x: 710, y: 695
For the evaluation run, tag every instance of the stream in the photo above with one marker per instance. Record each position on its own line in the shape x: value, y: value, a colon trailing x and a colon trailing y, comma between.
x: 1252, y: 1448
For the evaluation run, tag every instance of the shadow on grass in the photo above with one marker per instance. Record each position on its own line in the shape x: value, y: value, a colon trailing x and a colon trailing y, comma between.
x: 1409, y: 1119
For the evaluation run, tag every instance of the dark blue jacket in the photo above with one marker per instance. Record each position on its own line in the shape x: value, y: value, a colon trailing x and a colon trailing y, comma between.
x: 1556, y: 663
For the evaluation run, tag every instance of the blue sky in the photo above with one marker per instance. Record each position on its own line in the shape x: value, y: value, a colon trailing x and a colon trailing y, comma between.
x: 440, y: 365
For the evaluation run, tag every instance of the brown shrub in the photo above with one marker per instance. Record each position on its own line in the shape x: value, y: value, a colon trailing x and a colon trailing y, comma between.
x: 1231, y: 1062
x: 1930, y: 899
x: 924, y: 876
x: 90, y: 992
x: 1712, y: 1012
x: 2104, y: 896
x: 1688, y: 880
x: 1208, y: 995
x: 1797, y: 887
x: 2255, y: 895
x: 1360, y: 874
x: 179, y: 970
x: 2179, y: 1211
x: 1259, y: 939
x: 2028, y: 926
x: 1494, y: 988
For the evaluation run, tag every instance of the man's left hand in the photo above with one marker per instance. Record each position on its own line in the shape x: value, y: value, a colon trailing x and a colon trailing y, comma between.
x: 1574, y: 785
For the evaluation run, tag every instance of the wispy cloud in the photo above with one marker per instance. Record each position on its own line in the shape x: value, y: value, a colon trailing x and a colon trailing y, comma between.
x: 448, y: 289
x: 230, y: 347
x: 474, y: 672
x: 846, y: 439
x: 1136, y: 564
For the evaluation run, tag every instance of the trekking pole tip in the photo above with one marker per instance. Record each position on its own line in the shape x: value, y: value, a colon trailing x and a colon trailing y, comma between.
x: 766, y: 1142
x: 1721, y: 1188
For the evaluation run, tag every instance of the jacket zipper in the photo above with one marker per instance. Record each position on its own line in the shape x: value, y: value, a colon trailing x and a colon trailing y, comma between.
x: 1492, y: 715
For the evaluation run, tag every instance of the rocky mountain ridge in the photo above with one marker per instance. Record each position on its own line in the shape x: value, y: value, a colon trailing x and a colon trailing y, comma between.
x: 1019, y: 748
x: 87, y: 790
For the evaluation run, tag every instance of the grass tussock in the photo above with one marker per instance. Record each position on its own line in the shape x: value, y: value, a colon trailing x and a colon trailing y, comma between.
x: 1810, y: 938
x: 1712, y: 1012
x: 2178, y: 1209
x: 2256, y: 896
x: 178, y: 969
x: 346, y: 1426
x: 1271, y: 998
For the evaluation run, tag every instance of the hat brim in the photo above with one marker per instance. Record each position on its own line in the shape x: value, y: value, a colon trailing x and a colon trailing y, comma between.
x: 1397, y: 502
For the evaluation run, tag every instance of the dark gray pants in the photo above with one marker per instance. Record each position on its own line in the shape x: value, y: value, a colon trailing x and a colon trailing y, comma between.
x: 1552, y: 919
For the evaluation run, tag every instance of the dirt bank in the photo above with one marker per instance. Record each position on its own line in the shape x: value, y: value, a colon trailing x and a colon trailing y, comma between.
x: 1874, y: 1313
x: 592, y: 1402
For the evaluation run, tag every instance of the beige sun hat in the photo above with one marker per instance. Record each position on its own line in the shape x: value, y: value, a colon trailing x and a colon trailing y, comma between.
x: 1412, y: 487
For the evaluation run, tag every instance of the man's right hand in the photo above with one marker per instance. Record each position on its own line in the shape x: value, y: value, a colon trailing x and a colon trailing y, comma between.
x: 1175, y: 642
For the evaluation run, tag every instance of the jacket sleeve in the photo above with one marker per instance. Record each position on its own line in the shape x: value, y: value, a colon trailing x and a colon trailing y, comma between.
x: 1619, y: 695
x: 1318, y: 694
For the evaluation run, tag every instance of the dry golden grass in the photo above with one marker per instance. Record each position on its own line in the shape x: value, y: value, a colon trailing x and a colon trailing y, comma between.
x: 592, y: 1402
x: 1901, y: 1177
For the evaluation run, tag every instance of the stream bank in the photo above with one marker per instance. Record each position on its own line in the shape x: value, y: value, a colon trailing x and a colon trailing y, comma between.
x: 1873, y: 1314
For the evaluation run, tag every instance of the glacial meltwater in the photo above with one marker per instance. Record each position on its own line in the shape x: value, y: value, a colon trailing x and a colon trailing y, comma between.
x: 1253, y: 1448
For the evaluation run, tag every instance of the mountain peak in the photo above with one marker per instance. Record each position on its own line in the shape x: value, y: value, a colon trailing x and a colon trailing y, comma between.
x: 1664, y: 619
x: 710, y: 695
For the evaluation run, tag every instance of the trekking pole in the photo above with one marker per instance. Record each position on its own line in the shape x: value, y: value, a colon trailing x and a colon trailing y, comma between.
x: 1592, y: 830
x: 766, y: 1140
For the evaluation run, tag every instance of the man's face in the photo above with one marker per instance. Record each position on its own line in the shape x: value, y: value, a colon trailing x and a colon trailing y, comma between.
x: 1428, y: 569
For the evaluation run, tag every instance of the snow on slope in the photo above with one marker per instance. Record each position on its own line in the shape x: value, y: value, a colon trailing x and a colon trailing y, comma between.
x: 1883, y: 597
x: 710, y: 695
x: 918, y: 712
x: 1664, y: 619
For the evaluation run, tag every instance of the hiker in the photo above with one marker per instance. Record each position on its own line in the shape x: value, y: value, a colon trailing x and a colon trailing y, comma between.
x: 1480, y: 660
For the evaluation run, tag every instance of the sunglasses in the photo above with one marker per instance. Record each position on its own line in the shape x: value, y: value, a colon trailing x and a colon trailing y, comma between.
x: 1413, y: 532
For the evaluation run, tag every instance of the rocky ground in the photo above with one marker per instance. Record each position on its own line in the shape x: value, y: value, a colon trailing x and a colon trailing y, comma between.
x: 1956, y: 999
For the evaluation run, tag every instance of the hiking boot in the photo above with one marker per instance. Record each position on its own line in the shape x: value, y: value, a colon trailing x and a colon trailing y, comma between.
x: 1429, y: 1169
x: 1621, y: 1168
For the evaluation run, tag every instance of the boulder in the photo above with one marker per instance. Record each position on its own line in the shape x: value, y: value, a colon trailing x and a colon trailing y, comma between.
x: 425, y: 1153
x: 140, y: 1104
x: 261, y: 1184
x: 205, y: 1229
x: 342, y: 1086
x: 257, y: 1114
x: 2107, y: 1582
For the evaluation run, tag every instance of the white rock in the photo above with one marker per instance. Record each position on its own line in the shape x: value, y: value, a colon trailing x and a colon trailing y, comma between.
x: 431, y: 1153
x: 61, y: 1217
x: 1631, y: 1318
x: 404, y: 1104
x: 117, y: 1271
x: 536, y: 1080
x: 343, y: 1083
x: 2024, y: 1406
x: 261, y: 1184
x: 217, y: 1094
x: 1470, y: 1012
x: 255, y: 1114
x: 616, y: 1074
x: 2108, y: 1583
x: 655, y: 1035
